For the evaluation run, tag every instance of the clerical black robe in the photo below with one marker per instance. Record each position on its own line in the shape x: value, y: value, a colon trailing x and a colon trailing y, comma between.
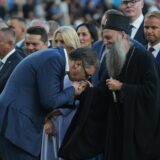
x: 126, y: 130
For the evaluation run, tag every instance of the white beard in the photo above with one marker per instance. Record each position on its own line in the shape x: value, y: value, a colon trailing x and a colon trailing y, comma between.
x: 115, y: 58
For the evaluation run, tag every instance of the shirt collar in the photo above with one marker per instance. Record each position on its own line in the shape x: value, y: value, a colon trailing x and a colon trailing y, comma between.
x: 138, y: 21
x: 67, y: 61
x: 4, y: 59
x: 157, y: 49
x: 19, y: 43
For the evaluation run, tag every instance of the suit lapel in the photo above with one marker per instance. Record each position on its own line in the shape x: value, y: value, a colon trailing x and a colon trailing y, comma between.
x: 7, y: 64
x: 140, y: 35
x: 158, y: 56
x: 61, y: 51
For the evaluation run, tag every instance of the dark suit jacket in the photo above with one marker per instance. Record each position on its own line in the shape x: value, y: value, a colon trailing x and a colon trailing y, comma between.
x: 158, y: 61
x: 140, y: 37
x: 158, y: 57
x: 8, y: 67
x: 101, y: 72
x: 32, y: 91
x: 21, y: 49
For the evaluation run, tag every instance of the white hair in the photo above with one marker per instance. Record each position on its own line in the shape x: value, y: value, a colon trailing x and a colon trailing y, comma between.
x: 40, y: 23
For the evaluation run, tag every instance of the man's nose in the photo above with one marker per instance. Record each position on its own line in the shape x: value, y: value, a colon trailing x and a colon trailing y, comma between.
x: 30, y: 46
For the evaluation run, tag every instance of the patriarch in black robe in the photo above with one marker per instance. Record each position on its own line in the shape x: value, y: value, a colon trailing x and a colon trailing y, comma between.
x: 120, y: 117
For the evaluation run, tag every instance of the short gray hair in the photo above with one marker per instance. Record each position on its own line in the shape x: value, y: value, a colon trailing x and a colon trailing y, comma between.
x: 40, y: 23
x: 9, y: 34
x: 87, y: 55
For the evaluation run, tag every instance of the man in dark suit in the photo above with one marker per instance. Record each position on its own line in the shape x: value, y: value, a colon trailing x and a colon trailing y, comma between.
x: 19, y: 26
x: 152, y: 33
x: 45, y: 25
x: 34, y: 89
x: 8, y: 55
x: 133, y: 10
x: 36, y: 38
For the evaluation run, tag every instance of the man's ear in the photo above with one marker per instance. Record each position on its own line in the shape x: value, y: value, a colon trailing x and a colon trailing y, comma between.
x: 124, y: 35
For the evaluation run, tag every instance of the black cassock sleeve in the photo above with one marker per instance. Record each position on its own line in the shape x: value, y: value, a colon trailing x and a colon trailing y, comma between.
x: 85, y: 136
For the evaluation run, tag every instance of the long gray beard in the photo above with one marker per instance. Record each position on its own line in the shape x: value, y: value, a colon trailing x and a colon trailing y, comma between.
x: 115, y: 58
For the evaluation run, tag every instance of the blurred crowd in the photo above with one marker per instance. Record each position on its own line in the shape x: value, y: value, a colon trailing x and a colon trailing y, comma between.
x: 65, y: 12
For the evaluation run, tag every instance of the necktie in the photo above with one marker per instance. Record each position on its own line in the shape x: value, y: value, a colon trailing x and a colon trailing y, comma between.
x: 151, y: 49
x: 1, y: 63
x: 130, y: 30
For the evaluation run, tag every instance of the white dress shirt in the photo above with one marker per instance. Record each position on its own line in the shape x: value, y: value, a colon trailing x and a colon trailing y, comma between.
x: 136, y: 24
x: 156, y: 49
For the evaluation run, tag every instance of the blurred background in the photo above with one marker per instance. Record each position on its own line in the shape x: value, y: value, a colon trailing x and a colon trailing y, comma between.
x: 65, y: 12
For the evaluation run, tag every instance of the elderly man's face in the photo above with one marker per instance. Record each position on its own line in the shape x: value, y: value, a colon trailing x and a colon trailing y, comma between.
x: 109, y: 36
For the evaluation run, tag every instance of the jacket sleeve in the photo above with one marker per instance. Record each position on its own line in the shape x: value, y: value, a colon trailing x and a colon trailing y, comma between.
x: 50, y: 84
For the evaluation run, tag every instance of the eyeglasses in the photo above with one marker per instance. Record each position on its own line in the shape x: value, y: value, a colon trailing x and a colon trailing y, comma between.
x: 87, y: 76
x: 132, y: 2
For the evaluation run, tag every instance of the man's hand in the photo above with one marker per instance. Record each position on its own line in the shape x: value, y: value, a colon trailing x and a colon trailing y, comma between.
x: 49, y: 128
x: 113, y: 84
x: 79, y: 87
x: 55, y: 112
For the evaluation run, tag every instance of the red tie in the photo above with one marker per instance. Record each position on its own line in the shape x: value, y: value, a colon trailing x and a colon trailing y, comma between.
x: 151, y: 49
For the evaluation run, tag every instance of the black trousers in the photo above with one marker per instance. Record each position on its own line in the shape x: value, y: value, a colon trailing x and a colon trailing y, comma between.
x: 9, y: 151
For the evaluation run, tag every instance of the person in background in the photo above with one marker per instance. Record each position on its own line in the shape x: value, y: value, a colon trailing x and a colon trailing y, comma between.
x: 9, y: 57
x: 53, y: 25
x: 19, y: 26
x: 67, y: 37
x: 152, y: 33
x: 41, y: 23
x: 133, y: 10
x: 36, y: 38
x: 87, y: 33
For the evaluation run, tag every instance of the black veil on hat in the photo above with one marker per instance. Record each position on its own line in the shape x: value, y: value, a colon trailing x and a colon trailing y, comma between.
x: 117, y: 22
